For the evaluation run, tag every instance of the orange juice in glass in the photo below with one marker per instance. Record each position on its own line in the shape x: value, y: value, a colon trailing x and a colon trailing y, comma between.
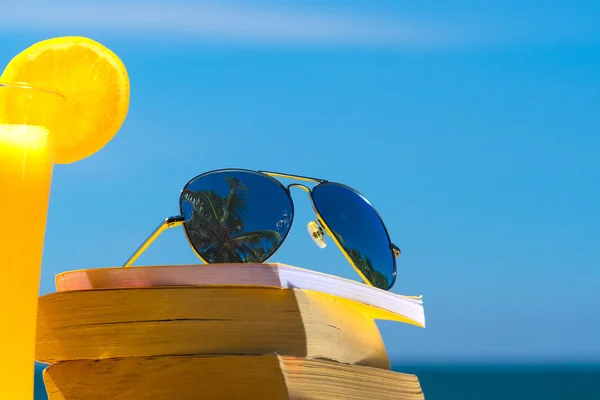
x: 26, y: 166
x: 73, y: 101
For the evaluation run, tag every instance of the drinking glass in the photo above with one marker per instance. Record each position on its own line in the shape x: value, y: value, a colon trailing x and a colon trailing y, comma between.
x: 26, y: 166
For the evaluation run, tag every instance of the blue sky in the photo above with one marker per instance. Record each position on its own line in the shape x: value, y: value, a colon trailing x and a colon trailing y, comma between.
x: 472, y: 128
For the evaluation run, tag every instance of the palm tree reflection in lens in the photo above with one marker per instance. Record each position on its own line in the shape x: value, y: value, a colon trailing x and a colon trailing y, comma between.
x: 364, y: 264
x: 216, y: 227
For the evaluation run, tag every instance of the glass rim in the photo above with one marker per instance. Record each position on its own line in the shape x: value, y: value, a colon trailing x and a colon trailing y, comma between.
x: 27, y: 86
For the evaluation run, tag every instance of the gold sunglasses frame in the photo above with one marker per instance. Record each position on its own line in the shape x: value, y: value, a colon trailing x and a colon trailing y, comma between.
x: 178, y: 220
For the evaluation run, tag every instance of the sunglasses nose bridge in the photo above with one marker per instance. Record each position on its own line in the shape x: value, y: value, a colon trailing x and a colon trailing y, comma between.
x: 308, y: 191
x: 299, y: 186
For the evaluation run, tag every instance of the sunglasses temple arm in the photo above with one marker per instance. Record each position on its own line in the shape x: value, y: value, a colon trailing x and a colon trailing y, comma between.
x: 395, y: 250
x: 170, y: 222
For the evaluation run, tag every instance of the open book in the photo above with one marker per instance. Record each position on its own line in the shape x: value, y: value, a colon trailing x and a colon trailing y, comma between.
x: 374, y: 302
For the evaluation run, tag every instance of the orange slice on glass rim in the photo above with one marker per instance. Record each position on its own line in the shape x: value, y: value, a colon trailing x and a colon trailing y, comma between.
x: 93, y: 82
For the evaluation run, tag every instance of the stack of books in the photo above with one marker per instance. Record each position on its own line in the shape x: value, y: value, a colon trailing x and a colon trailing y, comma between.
x: 219, y: 331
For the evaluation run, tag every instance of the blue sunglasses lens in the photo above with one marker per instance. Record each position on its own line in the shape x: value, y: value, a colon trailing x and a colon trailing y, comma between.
x: 359, y: 230
x: 235, y: 216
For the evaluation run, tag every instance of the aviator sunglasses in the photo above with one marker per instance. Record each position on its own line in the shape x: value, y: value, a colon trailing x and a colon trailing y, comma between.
x: 244, y: 216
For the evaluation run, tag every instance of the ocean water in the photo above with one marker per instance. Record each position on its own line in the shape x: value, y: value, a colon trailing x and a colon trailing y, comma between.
x: 487, y: 382
x: 490, y: 382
